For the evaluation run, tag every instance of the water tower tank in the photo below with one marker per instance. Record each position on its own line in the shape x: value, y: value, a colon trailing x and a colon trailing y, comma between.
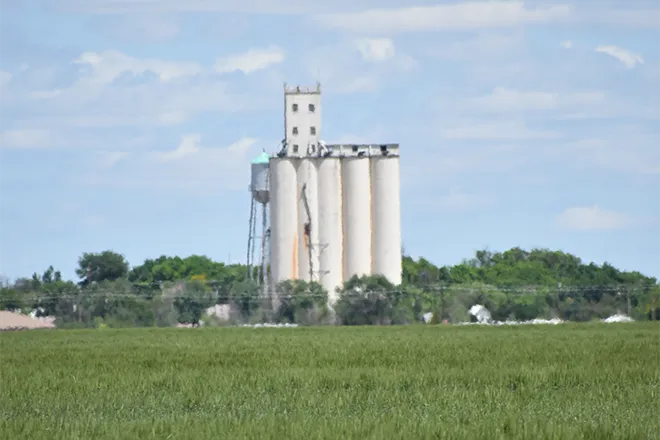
x: 259, y: 181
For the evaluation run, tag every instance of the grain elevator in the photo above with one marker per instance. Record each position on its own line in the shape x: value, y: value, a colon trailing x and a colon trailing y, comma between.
x: 335, y: 209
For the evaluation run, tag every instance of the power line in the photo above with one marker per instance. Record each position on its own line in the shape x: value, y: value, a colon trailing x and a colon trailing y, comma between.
x: 83, y: 294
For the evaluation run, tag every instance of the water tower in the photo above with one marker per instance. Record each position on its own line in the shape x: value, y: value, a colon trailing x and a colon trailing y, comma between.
x: 260, y: 195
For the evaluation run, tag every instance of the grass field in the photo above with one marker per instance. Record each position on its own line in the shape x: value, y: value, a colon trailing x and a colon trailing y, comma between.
x: 590, y: 381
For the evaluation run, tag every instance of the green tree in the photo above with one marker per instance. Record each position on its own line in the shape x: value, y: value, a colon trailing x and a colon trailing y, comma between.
x: 650, y: 303
x: 97, y: 267
x: 116, y: 304
x: 192, y: 300
x: 514, y: 284
x: 302, y: 302
x: 369, y: 300
x: 245, y: 299
x: 11, y: 299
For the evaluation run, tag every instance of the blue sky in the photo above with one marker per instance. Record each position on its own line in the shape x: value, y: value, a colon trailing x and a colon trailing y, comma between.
x: 129, y: 124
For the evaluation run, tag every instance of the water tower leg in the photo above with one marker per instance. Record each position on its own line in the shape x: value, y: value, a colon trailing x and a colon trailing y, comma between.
x: 264, y: 229
x: 248, y: 261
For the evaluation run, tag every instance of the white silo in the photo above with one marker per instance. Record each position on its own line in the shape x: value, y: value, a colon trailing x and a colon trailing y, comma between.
x: 331, y: 249
x: 356, y: 191
x: 283, y: 220
x: 386, y: 216
x: 308, y: 216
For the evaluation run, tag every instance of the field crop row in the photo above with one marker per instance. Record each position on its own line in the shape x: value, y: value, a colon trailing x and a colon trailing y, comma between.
x: 588, y: 381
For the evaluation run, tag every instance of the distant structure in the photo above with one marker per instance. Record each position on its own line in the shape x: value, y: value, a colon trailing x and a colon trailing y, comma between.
x: 260, y: 191
x: 335, y: 210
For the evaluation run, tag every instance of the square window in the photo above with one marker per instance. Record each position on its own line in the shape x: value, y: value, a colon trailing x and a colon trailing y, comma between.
x: 295, y: 130
x: 295, y: 148
x: 312, y: 130
x: 311, y: 107
x: 294, y: 107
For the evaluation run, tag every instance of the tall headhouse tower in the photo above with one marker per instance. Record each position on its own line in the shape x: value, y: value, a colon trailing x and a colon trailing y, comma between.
x: 334, y: 209
x: 302, y: 119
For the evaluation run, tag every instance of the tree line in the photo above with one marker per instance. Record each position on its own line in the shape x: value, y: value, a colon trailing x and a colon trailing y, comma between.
x: 515, y: 284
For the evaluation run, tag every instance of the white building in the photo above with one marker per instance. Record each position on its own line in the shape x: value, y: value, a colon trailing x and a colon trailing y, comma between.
x: 335, y: 209
x: 302, y: 119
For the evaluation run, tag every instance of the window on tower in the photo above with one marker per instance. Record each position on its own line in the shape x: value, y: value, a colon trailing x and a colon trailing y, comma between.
x: 295, y: 148
x: 294, y: 107
x: 295, y: 130
x: 312, y: 108
x: 312, y: 131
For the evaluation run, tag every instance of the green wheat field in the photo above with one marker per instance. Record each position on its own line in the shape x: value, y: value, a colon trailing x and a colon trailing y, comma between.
x: 577, y: 381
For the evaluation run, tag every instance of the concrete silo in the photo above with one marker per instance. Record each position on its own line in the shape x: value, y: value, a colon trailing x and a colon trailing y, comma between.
x: 331, y: 246
x: 283, y: 220
x: 386, y: 214
x: 356, y: 193
x: 308, y: 216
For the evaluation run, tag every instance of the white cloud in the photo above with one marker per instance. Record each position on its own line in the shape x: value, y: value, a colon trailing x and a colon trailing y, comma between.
x: 376, y: 49
x: 278, y: 7
x: 502, y: 100
x: 502, y: 130
x: 567, y: 44
x: 458, y: 16
x: 190, y: 167
x: 190, y: 148
x: 628, y: 58
x: 636, y: 14
x: 145, y: 104
x: 629, y: 150
x: 115, y: 89
x: 357, y: 66
x: 108, y: 159
x: 25, y: 138
x: 105, y: 67
x: 189, y: 145
x: 591, y: 218
x: 250, y: 61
